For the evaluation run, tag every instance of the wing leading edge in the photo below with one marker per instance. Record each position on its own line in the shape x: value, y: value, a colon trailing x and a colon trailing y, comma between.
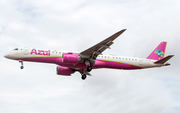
x: 92, y: 53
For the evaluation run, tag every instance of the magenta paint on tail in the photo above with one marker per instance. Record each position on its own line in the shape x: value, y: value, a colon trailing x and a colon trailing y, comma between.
x: 158, y: 52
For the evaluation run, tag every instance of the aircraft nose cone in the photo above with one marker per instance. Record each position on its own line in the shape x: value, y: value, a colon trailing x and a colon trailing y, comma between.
x: 6, y: 55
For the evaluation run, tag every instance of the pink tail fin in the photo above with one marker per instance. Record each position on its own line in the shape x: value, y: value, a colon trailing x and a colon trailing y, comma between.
x: 159, y: 52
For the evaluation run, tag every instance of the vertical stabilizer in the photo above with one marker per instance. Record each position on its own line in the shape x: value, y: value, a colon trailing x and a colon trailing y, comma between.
x: 159, y: 52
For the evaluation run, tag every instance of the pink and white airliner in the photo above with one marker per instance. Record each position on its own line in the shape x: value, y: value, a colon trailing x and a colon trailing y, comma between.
x: 92, y: 58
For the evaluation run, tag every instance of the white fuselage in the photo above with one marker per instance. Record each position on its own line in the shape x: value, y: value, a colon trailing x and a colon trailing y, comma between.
x: 25, y: 53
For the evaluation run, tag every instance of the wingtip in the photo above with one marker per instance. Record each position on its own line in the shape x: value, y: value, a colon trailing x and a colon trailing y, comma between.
x: 123, y: 30
x: 120, y: 32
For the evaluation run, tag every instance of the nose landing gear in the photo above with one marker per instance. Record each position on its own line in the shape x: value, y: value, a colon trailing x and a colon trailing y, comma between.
x: 21, y: 61
x: 22, y: 67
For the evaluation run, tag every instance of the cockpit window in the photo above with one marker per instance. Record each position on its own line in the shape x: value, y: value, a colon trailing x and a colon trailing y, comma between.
x: 16, y: 49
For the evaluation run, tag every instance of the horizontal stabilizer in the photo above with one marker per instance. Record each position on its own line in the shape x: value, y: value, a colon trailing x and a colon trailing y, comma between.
x: 162, y: 61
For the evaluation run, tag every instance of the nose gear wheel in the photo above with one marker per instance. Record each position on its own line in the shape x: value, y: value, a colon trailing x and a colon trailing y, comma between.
x: 21, y: 61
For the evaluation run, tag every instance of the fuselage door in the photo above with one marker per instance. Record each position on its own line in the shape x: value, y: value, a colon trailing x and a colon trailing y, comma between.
x: 141, y: 61
x: 25, y: 50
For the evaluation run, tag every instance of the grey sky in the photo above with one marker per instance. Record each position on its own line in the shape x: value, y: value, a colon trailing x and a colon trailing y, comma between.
x: 75, y: 26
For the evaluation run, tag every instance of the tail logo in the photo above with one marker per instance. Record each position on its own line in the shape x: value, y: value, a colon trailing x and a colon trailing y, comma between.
x: 160, y: 53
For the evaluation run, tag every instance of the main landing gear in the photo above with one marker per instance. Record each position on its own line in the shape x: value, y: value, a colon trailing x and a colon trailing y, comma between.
x: 83, y: 73
x: 89, y: 68
x: 83, y: 76
x: 21, y: 61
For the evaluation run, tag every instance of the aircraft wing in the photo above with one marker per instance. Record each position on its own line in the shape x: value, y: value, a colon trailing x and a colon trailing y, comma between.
x: 92, y: 53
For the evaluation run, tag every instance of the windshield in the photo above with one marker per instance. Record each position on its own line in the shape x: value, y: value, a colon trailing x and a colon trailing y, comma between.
x: 16, y: 49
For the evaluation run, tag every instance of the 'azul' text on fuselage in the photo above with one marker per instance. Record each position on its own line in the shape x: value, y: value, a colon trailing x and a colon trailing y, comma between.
x: 40, y: 52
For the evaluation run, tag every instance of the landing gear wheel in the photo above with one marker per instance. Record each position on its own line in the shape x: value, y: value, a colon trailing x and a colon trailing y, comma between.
x: 22, y: 67
x: 21, y: 61
x: 89, y: 68
x: 83, y: 77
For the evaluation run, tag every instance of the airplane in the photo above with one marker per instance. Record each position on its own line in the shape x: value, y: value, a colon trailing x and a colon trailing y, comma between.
x: 91, y: 58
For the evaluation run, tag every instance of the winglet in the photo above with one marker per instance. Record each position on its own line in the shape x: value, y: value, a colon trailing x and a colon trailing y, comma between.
x: 163, y: 60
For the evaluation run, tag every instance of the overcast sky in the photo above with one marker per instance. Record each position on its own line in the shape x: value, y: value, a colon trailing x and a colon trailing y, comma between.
x: 75, y: 26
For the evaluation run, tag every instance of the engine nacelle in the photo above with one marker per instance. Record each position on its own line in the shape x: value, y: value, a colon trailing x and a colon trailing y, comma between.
x: 64, y: 71
x: 70, y: 58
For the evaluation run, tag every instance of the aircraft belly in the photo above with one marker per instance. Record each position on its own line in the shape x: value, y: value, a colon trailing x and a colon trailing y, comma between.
x: 120, y: 65
x: 39, y: 59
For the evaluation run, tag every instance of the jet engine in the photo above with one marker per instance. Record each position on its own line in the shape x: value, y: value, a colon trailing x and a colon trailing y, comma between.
x: 64, y: 71
x: 70, y: 58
